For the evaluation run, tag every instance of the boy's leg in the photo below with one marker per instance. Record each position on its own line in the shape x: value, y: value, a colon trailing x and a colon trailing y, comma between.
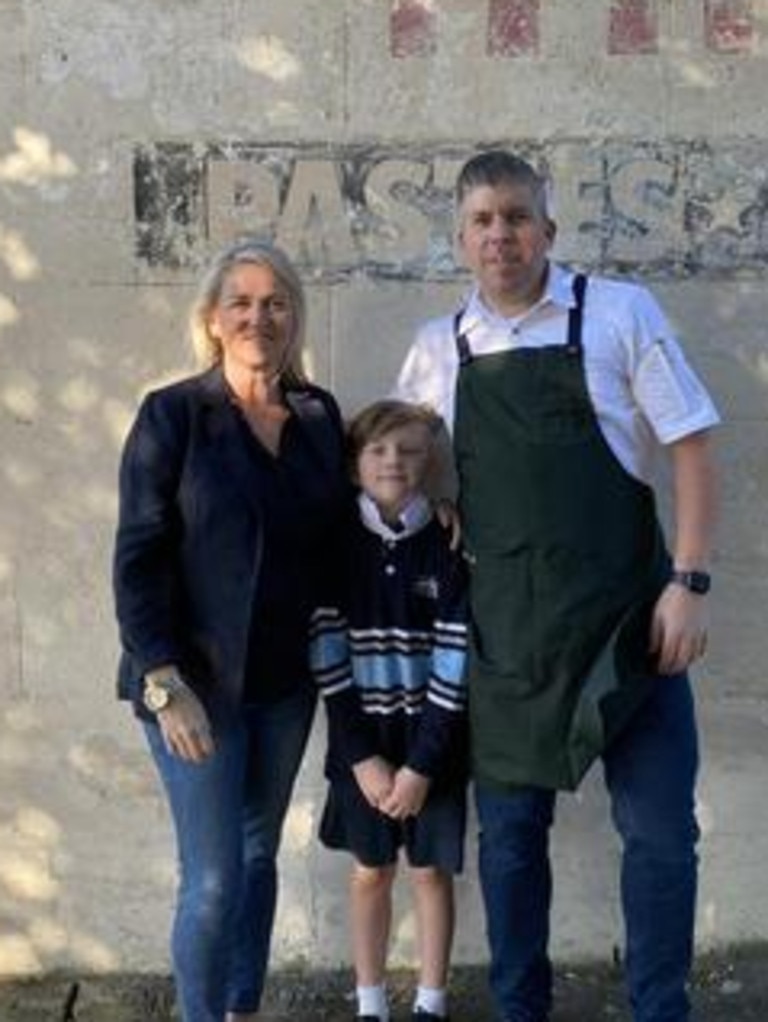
x: 651, y: 774
x: 516, y: 881
x: 371, y: 918
x: 435, y: 919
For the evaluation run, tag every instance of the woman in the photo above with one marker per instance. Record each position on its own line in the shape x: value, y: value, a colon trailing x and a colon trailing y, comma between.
x: 231, y: 485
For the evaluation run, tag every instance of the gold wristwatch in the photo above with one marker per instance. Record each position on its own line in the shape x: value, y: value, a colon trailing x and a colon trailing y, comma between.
x: 159, y: 693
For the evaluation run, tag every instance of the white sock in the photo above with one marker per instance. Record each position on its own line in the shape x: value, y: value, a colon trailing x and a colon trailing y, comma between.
x: 373, y: 1001
x: 432, y: 999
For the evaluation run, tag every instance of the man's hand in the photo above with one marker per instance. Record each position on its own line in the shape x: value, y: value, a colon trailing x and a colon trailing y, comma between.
x: 678, y: 628
x: 448, y: 515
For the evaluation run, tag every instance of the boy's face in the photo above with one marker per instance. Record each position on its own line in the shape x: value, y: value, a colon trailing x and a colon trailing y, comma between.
x: 391, y: 468
x: 505, y: 241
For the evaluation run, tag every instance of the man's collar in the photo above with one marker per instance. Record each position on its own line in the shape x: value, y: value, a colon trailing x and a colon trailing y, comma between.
x: 557, y: 291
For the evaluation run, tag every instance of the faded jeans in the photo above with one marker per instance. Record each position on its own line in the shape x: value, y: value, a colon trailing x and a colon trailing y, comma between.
x: 228, y: 814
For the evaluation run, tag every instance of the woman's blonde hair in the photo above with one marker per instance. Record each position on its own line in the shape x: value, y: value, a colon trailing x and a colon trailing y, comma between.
x: 248, y: 250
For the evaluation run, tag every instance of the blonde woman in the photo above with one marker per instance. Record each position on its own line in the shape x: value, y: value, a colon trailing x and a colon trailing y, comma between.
x: 232, y: 484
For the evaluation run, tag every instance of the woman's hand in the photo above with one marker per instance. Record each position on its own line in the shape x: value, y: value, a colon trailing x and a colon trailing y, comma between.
x: 186, y: 727
x: 408, y: 794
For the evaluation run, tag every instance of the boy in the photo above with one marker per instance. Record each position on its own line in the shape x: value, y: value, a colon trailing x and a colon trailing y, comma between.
x: 561, y: 391
x: 389, y: 656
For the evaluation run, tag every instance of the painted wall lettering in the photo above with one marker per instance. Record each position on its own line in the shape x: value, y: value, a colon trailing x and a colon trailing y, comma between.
x: 513, y: 28
x: 413, y: 28
x: 729, y: 25
x: 631, y: 27
x: 669, y: 208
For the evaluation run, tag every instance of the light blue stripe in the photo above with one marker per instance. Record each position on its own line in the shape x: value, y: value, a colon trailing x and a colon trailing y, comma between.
x: 448, y: 664
x: 391, y: 671
x: 327, y: 649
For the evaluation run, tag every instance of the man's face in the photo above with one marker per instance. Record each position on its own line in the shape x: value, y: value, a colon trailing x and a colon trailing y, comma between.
x: 505, y: 240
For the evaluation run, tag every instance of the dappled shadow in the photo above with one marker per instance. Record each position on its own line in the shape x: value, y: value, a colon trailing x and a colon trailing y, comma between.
x: 87, y: 323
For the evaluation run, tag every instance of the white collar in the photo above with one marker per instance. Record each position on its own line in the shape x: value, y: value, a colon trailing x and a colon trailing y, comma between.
x: 558, y: 290
x: 413, y: 517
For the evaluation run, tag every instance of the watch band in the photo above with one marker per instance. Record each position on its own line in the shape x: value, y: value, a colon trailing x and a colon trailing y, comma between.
x: 694, y: 581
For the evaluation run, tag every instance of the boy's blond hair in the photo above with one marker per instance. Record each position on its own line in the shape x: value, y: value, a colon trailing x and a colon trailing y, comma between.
x: 382, y: 417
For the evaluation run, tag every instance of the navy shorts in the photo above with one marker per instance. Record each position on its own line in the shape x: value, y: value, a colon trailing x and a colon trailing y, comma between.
x: 433, y: 838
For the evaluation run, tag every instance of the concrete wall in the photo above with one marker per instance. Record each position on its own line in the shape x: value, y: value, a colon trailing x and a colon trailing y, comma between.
x: 135, y: 137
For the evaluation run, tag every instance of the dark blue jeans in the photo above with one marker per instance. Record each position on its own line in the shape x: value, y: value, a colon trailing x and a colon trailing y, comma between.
x: 650, y: 772
x: 228, y: 813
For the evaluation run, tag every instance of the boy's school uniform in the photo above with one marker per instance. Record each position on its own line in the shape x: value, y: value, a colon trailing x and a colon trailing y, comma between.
x: 388, y: 652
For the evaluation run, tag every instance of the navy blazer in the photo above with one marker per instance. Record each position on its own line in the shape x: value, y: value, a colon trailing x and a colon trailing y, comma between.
x: 190, y: 537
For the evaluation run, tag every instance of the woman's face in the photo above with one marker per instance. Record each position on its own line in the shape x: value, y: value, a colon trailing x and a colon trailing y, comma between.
x: 253, y: 320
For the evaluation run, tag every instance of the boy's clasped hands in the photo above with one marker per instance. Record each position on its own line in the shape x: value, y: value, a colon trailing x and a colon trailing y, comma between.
x: 396, y: 793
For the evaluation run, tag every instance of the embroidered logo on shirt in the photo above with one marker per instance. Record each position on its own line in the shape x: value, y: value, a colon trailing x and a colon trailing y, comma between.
x: 427, y: 587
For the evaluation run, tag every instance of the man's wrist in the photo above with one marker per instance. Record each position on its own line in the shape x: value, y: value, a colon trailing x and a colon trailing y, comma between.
x: 695, y: 580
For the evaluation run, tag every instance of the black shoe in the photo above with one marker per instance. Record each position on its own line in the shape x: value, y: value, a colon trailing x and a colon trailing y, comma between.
x: 367, y: 1018
x: 419, y: 1015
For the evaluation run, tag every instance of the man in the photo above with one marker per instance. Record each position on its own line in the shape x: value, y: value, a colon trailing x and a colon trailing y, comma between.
x: 560, y: 392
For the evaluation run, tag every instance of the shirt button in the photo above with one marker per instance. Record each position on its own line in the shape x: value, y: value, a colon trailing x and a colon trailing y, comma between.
x: 390, y: 569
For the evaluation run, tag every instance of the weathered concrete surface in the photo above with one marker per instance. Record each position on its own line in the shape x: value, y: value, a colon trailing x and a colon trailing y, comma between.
x: 731, y: 987
x: 133, y: 138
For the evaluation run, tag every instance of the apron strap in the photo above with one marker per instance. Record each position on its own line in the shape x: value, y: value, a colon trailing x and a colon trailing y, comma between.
x: 462, y: 344
x: 576, y: 314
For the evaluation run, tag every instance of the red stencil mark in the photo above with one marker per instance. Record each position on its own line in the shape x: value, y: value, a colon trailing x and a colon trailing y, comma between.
x: 633, y: 27
x: 513, y: 28
x: 729, y: 25
x: 413, y: 28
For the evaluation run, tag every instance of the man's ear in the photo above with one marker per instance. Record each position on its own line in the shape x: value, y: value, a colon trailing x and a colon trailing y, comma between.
x: 458, y: 241
x: 550, y: 229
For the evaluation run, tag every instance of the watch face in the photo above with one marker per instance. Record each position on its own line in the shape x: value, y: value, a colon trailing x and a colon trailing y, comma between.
x: 694, y: 581
x: 156, y: 698
x: 699, y: 582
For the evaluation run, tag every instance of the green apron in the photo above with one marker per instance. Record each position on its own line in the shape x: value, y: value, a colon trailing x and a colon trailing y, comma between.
x: 567, y: 559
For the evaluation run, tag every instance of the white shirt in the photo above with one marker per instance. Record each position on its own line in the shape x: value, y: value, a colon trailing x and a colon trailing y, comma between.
x: 643, y: 391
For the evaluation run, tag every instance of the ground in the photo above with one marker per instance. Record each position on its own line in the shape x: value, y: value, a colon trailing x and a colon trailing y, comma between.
x: 728, y: 987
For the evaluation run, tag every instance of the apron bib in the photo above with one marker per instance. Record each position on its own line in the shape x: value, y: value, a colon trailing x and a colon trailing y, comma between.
x: 567, y: 559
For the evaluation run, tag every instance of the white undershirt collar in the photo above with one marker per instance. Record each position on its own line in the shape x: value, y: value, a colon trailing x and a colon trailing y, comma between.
x: 413, y: 517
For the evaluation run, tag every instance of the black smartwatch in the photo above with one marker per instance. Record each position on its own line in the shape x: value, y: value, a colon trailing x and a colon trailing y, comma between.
x: 699, y: 582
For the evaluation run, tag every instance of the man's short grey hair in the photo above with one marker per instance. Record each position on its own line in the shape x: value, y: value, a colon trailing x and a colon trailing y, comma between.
x: 498, y: 167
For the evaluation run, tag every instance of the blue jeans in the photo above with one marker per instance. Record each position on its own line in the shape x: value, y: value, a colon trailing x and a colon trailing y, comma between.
x: 228, y: 813
x: 650, y: 772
